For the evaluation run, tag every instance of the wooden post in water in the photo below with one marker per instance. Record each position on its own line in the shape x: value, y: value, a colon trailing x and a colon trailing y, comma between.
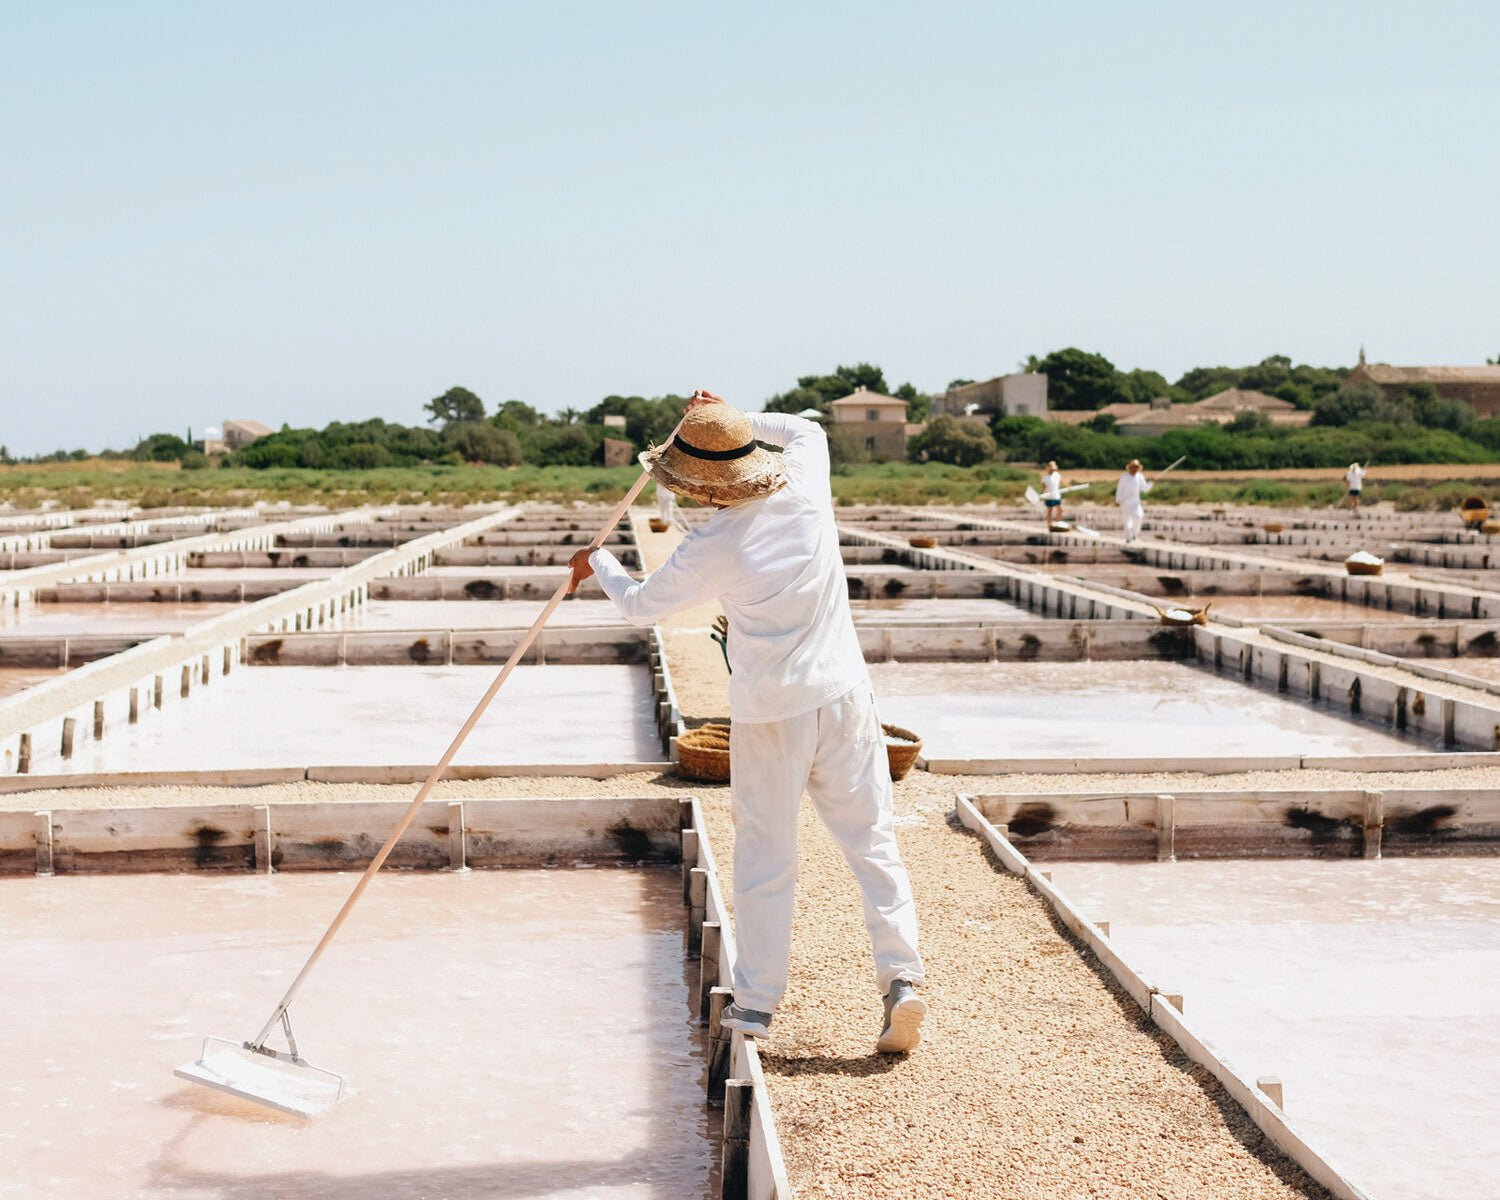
x: 708, y: 967
x: 734, y: 1175
x: 719, y: 1045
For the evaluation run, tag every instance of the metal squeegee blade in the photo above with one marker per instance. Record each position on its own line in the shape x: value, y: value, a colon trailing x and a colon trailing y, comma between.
x: 299, y: 1089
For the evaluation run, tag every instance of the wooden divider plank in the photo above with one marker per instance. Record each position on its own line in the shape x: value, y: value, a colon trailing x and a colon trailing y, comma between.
x: 595, y: 829
x: 339, y: 837
x: 207, y: 838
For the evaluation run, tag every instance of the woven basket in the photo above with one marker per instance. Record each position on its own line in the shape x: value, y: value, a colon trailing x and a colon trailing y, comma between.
x: 901, y: 752
x: 1059, y: 527
x: 1474, y: 510
x: 657, y: 525
x: 1361, y: 568
x: 1273, y: 527
x: 922, y: 543
x: 1196, y: 616
x: 703, y: 753
x: 1489, y: 527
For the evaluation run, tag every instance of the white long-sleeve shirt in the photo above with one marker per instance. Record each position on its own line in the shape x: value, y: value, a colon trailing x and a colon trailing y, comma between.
x: 1355, y: 478
x: 1051, y: 486
x: 774, y: 565
x: 1131, y: 488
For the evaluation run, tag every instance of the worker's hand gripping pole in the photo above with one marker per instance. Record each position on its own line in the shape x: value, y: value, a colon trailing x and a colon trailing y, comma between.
x: 259, y: 1044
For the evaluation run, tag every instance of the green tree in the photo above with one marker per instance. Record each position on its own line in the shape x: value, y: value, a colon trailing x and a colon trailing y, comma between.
x: 918, y: 404
x: 478, y: 441
x: 456, y: 404
x: 819, y: 391
x: 516, y: 415
x: 1363, y: 402
x: 1142, y: 386
x: 363, y: 456
x: 951, y: 440
x: 553, y: 445
x: 160, y: 447
x: 845, y: 449
x: 647, y: 422
x: 1249, y: 420
x: 1439, y: 412
x: 1077, y: 380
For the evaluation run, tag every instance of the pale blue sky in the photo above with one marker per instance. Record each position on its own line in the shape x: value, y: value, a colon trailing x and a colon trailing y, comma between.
x: 315, y: 212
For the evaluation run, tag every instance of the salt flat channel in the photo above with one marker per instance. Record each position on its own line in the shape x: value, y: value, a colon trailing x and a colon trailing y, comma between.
x: 67, y: 619
x: 506, y: 1033
x: 372, y: 716
x: 1370, y: 988
x: 1108, y: 709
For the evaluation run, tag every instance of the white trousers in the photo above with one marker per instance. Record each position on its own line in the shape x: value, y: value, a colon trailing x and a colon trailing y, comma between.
x: 1134, y: 515
x: 837, y: 755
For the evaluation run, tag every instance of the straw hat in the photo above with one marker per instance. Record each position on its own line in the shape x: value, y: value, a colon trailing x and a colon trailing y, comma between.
x: 1133, y: 465
x: 714, y: 459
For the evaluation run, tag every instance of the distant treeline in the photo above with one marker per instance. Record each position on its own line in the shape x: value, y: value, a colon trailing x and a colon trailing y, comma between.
x: 1358, y: 423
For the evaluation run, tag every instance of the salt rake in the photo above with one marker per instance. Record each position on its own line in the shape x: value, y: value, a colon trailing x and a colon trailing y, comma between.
x: 283, y: 1079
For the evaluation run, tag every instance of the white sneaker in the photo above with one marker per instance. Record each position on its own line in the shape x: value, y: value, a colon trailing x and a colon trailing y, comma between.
x: 904, y: 1010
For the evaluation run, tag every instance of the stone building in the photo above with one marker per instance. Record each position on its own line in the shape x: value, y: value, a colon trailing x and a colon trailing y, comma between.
x: 879, y: 422
x: 1480, y: 386
x: 618, y: 452
x: 1162, y: 416
x: 1023, y: 395
x: 239, y: 434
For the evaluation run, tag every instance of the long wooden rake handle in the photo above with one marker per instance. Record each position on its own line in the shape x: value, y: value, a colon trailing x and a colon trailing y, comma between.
x: 1164, y: 470
x: 442, y: 765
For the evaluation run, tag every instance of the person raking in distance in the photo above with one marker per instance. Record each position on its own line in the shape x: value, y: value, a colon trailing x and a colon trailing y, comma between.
x: 802, y: 709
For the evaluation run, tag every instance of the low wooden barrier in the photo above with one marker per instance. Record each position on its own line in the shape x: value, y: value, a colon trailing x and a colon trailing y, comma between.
x: 1165, y: 1010
x: 752, y: 1164
x: 341, y: 836
x: 1247, y: 823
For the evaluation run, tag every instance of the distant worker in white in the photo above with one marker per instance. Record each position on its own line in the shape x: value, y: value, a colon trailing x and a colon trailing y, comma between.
x: 1051, y: 494
x: 1128, y: 492
x: 666, y: 505
x: 1354, y: 480
x: 803, y: 709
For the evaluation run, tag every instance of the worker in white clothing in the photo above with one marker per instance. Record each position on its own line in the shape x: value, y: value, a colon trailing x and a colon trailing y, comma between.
x: 803, y: 709
x: 1354, y: 480
x: 1128, y: 492
x: 1051, y: 494
x: 666, y: 505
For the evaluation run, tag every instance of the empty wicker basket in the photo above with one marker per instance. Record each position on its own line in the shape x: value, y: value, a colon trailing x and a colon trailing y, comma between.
x: 703, y: 753
x: 1273, y: 527
x: 922, y: 543
x: 657, y: 525
x: 1490, y: 526
x: 1474, y: 510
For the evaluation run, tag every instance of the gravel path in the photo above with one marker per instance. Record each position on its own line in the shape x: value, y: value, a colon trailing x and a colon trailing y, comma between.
x: 1036, y: 1078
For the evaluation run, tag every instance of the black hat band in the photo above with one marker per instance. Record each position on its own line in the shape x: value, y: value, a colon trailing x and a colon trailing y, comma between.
x: 714, y: 455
